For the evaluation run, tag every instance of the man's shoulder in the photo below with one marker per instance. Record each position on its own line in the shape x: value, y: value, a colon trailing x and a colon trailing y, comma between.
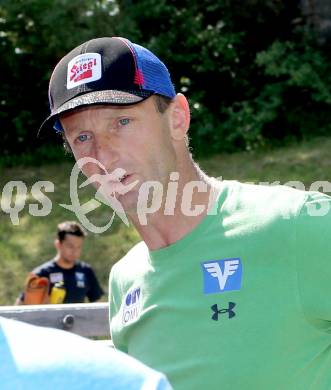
x: 262, y: 198
x: 260, y: 205
x: 134, y: 259
x: 48, y: 266
x: 316, y: 204
x: 137, y: 252
x: 314, y: 218
x: 82, y: 266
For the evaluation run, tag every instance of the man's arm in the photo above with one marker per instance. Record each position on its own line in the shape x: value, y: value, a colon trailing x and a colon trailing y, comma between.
x: 19, y: 300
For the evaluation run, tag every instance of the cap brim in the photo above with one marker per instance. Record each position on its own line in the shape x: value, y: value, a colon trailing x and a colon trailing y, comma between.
x: 94, y: 98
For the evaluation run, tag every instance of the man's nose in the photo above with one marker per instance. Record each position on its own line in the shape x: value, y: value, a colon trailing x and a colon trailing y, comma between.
x: 107, y: 153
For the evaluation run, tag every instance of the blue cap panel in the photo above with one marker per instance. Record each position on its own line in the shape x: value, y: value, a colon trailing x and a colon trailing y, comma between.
x: 156, y: 75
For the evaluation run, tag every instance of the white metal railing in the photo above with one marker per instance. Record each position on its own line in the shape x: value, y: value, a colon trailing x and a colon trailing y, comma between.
x: 85, y: 319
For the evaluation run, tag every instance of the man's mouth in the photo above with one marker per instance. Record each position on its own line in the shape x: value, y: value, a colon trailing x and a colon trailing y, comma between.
x: 123, y: 178
x: 120, y: 184
x: 116, y: 182
x: 118, y: 175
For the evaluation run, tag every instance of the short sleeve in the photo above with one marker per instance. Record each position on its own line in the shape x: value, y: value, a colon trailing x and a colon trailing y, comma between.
x: 113, y: 294
x: 115, y: 298
x: 42, y: 272
x: 313, y: 255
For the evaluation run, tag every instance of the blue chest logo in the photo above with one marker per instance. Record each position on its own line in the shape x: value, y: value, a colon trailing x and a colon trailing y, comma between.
x: 222, y: 275
x: 131, y: 306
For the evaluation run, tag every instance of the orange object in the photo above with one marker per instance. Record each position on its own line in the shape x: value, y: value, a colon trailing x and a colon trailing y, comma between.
x: 36, y: 290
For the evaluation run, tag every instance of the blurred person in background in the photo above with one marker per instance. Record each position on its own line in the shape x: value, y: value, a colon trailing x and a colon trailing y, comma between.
x: 65, y: 278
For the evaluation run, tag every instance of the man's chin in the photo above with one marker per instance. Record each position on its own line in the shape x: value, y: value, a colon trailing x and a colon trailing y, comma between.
x: 70, y: 261
x: 128, y: 202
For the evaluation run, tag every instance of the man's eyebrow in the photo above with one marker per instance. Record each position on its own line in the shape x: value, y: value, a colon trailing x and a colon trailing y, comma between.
x: 123, y: 107
x: 103, y: 106
x: 117, y: 111
x: 114, y: 111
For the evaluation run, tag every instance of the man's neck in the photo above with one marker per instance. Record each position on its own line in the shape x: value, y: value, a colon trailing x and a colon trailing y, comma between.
x: 63, y: 263
x: 160, y: 229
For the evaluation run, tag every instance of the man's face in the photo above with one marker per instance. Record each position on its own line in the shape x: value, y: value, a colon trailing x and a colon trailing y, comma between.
x: 133, y: 138
x: 70, y: 248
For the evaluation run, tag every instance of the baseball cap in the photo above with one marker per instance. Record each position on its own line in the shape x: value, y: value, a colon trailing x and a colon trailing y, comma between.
x: 109, y: 70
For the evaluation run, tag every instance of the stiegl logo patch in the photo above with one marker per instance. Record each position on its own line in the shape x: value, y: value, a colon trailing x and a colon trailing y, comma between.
x: 131, y: 306
x: 84, y: 69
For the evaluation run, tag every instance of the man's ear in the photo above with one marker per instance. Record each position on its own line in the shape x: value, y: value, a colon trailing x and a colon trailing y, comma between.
x: 179, y: 117
x: 57, y: 244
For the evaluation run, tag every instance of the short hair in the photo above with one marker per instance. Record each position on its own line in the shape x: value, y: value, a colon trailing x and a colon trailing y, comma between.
x: 70, y: 227
x: 162, y: 103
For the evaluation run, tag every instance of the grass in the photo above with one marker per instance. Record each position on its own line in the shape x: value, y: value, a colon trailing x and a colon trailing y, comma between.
x: 29, y: 243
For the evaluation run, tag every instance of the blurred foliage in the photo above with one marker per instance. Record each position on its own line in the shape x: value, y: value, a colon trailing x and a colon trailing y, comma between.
x: 254, y: 73
x: 295, y: 100
x: 34, y: 35
x: 46, y: 153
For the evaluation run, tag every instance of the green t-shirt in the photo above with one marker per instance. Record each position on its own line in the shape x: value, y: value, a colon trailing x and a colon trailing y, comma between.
x: 241, y: 302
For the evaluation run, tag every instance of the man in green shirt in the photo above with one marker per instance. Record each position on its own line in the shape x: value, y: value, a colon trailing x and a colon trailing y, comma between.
x: 229, y: 287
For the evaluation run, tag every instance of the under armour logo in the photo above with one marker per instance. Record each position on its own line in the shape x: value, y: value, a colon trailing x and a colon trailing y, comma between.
x: 218, y: 312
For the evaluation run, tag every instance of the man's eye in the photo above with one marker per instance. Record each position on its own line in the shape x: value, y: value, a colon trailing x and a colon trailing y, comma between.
x: 124, y: 121
x: 82, y: 137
